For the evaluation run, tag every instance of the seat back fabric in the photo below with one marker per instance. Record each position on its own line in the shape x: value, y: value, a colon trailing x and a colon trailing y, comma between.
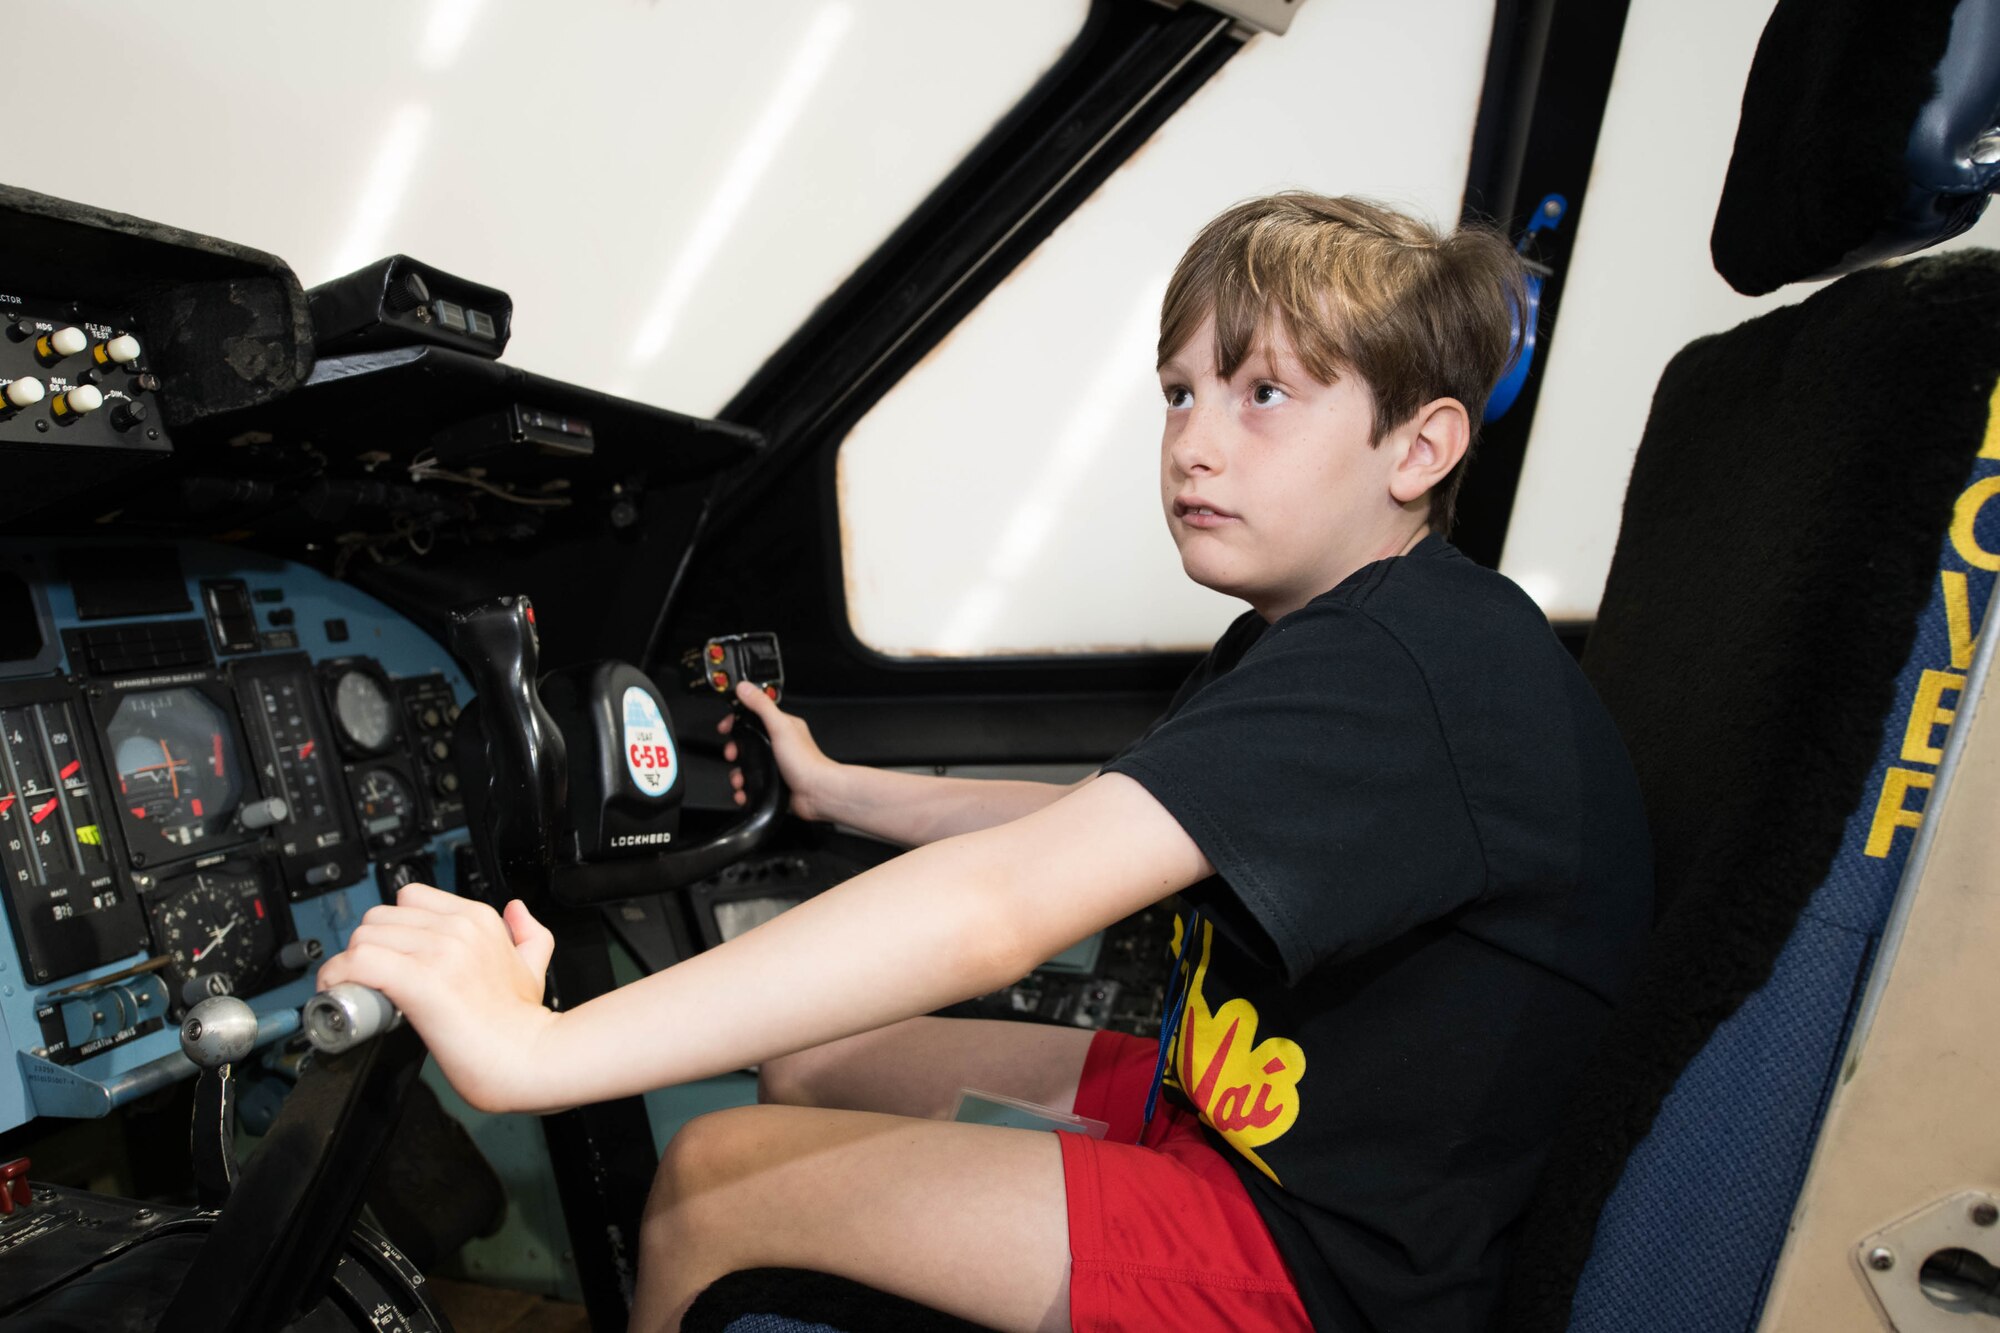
x: 1806, y: 534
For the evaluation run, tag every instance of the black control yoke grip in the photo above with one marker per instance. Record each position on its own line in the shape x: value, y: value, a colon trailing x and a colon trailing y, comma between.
x: 685, y: 865
x: 526, y: 768
x: 614, y: 881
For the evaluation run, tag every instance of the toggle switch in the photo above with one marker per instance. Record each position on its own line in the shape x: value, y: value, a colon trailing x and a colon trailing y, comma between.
x: 73, y: 403
x: 122, y: 349
x: 262, y: 814
x: 56, y: 345
x: 15, y: 1191
x: 23, y: 393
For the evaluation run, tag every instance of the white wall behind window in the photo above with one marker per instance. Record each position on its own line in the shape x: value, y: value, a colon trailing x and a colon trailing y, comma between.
x: 666, y: 189
x: 1003, y: 497
x: 1640, y: 286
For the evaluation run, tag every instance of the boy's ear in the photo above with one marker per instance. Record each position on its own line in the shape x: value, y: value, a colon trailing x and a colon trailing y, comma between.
x: 1429, y: 447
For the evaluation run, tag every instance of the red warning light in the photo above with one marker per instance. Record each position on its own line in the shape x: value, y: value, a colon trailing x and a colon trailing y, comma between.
x: 715, y: 653
x: 719, y: 679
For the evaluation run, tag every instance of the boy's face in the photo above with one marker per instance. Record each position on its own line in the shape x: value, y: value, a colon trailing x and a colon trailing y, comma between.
x: 1271, y: 488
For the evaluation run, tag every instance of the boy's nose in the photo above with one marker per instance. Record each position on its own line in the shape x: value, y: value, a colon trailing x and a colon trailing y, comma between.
x: 1195, y: 448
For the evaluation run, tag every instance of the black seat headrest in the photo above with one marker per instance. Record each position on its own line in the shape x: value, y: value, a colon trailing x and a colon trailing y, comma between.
x: 1870, y: 129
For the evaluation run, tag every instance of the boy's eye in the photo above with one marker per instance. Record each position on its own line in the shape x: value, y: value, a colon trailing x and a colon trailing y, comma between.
x: 1267, y: 395
x: 1179, y: 395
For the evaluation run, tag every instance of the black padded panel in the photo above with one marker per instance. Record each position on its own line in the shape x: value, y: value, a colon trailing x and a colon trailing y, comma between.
x: 1781, y: 532
x: 1818, y: 167
x: 226, y: 326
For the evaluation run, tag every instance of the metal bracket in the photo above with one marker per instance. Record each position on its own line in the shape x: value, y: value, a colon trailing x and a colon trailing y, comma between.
x: 1272, y: 16
x: 1917, y: 1287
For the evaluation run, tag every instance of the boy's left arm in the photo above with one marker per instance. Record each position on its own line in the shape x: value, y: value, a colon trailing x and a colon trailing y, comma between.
x: 957, y: 918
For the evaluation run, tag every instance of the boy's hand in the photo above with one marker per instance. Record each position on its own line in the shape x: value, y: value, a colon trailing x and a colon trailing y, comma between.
x: 470, y: 982
x: 811, y: 776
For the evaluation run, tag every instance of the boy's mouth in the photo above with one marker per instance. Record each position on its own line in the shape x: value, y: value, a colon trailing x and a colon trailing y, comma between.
x: 1197, y: 512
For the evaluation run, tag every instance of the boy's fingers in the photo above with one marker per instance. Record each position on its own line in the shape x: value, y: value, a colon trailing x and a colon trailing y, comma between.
x: 729, y: 753
x: 521, y: 923
x: 533, y: 941
x: 728, y: 721
x: 431, y: 899
x: 757, y: 701
x: 736, y: 778
x: 396, y: 938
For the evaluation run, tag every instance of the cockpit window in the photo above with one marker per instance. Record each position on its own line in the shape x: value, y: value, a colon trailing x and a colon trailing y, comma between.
x: 1004, y: 497
x: 666, y: 189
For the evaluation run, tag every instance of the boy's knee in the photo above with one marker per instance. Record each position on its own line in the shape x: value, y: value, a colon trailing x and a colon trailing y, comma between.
x: 706, y: 1152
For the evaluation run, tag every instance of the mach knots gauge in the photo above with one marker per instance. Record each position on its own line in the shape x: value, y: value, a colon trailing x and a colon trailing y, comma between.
x: 363, y: 705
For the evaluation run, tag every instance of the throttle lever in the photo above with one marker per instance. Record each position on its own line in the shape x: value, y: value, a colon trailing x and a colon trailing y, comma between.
x: 216, y: 1034
x: 524, y: 785
x: 342, y: 1017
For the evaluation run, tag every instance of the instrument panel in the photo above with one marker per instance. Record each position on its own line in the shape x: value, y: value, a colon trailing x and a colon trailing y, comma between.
x: 211, y: 764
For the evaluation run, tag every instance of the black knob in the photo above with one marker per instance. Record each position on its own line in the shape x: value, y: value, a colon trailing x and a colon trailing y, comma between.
x: 128, y: 414
x: 300, y: 954
x: 206, y: 986
x: 407, y: 293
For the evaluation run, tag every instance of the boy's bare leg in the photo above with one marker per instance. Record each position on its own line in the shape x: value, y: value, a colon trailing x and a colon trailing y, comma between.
x: 969, y: 1219
x: 916, y: 1067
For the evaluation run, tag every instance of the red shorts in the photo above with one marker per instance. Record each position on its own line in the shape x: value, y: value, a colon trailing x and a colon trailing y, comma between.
x: 1162, y: 1234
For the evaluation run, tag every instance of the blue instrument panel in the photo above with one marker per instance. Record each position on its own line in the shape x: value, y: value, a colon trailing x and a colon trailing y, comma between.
x: 212, y: 762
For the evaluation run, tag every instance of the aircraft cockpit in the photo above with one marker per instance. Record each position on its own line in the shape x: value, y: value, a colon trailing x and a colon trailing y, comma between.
x: 410, y: 510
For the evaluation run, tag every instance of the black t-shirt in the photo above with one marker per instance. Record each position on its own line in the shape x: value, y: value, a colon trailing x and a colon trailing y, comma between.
x: 1432, y: 879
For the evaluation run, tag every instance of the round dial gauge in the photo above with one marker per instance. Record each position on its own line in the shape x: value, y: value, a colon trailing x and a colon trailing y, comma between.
x: 388, y: 811
x: 362, y: 709
x: 178, y: 783
x: 218, y: 925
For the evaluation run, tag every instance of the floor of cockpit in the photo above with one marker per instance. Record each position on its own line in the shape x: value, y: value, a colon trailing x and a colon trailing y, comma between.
x: 472, y: 1308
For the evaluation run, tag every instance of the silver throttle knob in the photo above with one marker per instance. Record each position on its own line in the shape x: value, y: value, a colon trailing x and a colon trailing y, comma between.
x: 219, y: 1031
x: 342, y: 1017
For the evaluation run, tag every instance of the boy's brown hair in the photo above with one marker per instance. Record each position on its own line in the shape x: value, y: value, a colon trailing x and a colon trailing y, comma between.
x: 1358, y: 288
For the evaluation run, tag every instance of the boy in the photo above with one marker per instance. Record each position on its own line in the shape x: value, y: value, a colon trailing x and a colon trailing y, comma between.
x: 1409, y: 836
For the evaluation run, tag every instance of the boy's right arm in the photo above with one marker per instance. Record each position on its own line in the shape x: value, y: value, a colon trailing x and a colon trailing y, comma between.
x: 910, y: 809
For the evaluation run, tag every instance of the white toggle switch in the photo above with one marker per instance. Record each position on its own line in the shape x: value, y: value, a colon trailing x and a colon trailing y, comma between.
x: 83, y: 398
x: 23, y: 393
x: 123, y: 348
x: 63, y: 342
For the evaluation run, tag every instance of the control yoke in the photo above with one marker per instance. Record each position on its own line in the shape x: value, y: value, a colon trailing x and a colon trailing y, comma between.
x: 524, y: 776
x: 574, y: 789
